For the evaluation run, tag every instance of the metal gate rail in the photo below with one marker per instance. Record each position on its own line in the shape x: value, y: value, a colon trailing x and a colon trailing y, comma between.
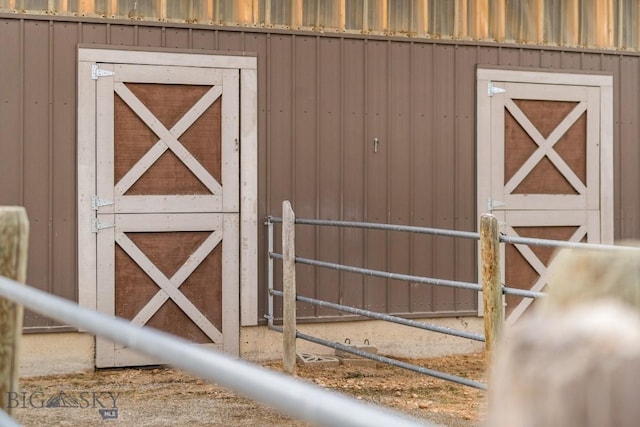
x: 367, y: 313
x: 385, y: 317
x: 388, y: 360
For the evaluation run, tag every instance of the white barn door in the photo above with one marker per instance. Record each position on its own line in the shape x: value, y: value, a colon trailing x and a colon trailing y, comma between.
x: 544, y: 166
x: 167, y: 202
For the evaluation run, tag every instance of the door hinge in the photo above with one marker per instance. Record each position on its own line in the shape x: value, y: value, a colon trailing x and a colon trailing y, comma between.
x: 99, y: 72
x: 97, y: 202
x: 492, y: 204
x: 96, y: 225
x: 493, y: 89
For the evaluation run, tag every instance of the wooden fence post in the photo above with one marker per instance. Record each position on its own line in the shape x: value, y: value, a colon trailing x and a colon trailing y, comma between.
x: 491, y: 280
x: 14, y: 239
x: 288, y: 288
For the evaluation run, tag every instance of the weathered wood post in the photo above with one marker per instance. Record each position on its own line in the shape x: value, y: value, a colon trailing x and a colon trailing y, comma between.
x: 14, y: 239
x: 491, y: 280
x: 288, y: 288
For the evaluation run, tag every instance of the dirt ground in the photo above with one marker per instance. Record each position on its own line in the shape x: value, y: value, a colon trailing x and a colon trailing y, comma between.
x: 167, y: 397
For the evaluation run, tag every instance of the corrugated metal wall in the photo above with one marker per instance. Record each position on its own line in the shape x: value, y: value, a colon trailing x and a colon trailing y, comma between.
x: 323, y: 99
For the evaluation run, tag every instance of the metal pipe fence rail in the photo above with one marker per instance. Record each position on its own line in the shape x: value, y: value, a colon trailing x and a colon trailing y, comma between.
x: 290, y: 297
x: 379, y: 226
x: 384, y: 274
x: 385, y: 317
x: 492, y: 288
x: 530, y: 241
x: 290, y: 396
x: 388, y: 360
x: 418, y: 230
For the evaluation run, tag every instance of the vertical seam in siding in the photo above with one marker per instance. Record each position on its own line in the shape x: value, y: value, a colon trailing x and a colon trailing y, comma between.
x: 412, y: 142
x: 432, y: 149
x: 456, y: 178
x: 388, y: 283
x: 50, y: 160
x: 267, y: 67
x: 617, y: 126
x: 22, y: 108
x: 292, y: 113
x: 365, y: 195
x: 342, y: 129
x: 316, y: 209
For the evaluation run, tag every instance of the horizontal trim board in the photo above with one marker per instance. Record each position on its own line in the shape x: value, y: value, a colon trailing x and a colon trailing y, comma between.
x: 179, y: 204
x: 168, y: 57
x: 544, y: 76
x: 166, y: 75
x: 170, y: 222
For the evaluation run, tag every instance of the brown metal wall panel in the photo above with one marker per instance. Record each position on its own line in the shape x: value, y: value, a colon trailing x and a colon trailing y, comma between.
x: 509, y: 56
x: 231, y: 41
x: 444, y: 169
x: 305, y: 168
x: 592, y: 62
x: 37, y: 156
x: 280, y: 160
x: 177, y: 38
x: 400, y: 171
x: 354, y: 151
x: 123, y: 35
x: 550, y: 59
x: 150, y: 37
x: 94, y: 33
x: 11, y: 146
x: 203, y: 39
x: 621, y: 97
x: 571, y: 60
x: 63, y: 196
x: 629, y: 211
x: 530, y: 58
x: 376, y: 202
x: 329, y: 165
x: 422, y: 249
x: 465, y: 171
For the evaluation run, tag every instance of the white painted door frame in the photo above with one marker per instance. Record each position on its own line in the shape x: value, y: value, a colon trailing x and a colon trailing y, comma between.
x: 88, y: 153
x: 592, y: 206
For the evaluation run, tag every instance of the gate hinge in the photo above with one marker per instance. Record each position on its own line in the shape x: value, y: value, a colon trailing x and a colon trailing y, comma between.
x: 493, y: 89
x: 96, y: 225
x: 492, y: 204
x: 99, y: 72
x: 97, y: 202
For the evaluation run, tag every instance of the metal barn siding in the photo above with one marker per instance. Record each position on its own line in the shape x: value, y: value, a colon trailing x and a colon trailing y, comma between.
x: 323, y: 100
